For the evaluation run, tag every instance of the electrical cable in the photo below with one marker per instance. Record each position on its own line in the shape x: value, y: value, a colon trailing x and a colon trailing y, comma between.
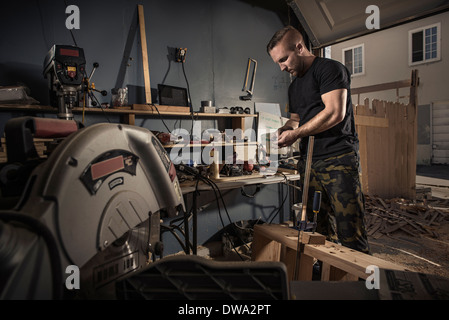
x: 84, y: 106
x: 174, y: 226
x: 226, y: 210
x: 283, y: 201
x: 71, y: 32
x: 190, y: 99
x: 213, y: 185
x: 218, y: 196
x: 160, y: 116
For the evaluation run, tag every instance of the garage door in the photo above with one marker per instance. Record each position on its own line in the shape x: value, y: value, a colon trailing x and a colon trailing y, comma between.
x: 440, y: 132
x: 330, y: 21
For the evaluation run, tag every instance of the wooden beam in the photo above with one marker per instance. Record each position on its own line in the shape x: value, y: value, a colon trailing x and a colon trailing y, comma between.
x: 143, y: 42
x: 128, y: 118
x: 280, y: 243
x: 371, y: 121
x: 382, y: 87
x: 347, y: 260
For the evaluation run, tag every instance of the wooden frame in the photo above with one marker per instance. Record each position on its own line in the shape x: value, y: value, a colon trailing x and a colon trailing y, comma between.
x: 279, y: 243
x: 388, y: 141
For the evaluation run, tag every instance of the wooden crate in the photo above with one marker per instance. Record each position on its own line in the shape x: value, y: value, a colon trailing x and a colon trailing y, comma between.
x: 280, y: 243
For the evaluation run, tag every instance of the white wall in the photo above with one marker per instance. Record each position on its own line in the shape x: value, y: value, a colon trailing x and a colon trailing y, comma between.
x: 386, y: 60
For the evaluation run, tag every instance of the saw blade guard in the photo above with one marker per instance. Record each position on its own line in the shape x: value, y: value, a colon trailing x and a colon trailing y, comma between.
x: 99, y: 183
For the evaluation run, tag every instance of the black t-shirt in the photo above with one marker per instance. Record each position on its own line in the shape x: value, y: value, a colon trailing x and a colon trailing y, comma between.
x: 323, y: 76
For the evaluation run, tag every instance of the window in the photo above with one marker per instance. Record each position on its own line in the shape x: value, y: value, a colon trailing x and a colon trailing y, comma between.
x: 353, y: 59
x: 424, y: 44
x: 328, y: 52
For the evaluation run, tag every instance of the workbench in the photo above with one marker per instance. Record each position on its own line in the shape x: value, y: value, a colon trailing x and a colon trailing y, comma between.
x: 127, y: 116
x: 226, y: 183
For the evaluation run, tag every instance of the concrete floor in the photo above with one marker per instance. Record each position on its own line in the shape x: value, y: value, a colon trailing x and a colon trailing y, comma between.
x: 436, y: 177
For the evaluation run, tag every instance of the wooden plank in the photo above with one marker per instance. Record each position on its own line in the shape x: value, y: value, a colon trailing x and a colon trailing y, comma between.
x: 377, y: 158
x: 159, y: 108
x: 381, y: 87
x: 265, y: 249
x: 48, y: 109
x: 288, y: 236
x: 128, y: 118
x: 239, y: 123
x: 371, y: 121
x: 277, y: 243
x: 143, y: 43
x: 28, y: 107
x: 305, y: 267
x: 331, y: 273
x: 289, y: 258
x: 348, y: 260
x: 360, y: 110
x: 412, y: 138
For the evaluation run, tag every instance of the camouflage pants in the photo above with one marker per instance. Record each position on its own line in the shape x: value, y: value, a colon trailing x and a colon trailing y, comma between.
x: 341, y: 217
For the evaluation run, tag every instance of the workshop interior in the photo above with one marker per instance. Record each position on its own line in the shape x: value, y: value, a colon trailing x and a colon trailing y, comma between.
x: 136, y: 157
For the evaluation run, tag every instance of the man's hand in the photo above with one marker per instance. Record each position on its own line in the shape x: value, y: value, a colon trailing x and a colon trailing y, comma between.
x: 286, y: 134
x: 287, y: 138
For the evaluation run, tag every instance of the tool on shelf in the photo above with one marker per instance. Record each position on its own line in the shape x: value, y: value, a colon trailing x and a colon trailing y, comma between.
x: 249, y: 91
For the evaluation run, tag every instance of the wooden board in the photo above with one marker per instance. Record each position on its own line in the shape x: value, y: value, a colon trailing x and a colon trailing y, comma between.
x: 143, y: 42
x: 160, y: 108
x: 280, y: 243
x: 348, y: 260
x: 388, y: 142
x: 387, y: 134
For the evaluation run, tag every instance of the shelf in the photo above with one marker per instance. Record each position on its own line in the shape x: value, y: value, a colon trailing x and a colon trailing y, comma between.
x: 226, y: 183
x: 128, y: 116
x: 27, y: 108
x: 211, y: 144
x: 196, y: 114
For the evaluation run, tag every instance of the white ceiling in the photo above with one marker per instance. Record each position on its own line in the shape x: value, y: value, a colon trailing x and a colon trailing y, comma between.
x: 330, y: 21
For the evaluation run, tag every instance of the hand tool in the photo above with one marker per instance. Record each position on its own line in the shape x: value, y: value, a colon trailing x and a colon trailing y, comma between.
x: 305, y: 191
x: 303, y: 222
x: 316, y: 208
x: 249, y: 91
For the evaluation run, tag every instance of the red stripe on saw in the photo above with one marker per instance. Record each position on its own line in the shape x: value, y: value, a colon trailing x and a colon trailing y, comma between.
x: 106, y: 167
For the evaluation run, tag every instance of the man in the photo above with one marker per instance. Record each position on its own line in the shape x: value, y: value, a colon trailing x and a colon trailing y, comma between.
x: 320, y: 106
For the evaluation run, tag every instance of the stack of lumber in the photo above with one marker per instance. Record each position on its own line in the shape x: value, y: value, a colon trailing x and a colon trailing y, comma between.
x: 41, y: 146
x: 387, y: 217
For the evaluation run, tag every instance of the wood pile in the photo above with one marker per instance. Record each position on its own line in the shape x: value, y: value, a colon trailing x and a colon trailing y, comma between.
x: 387, y: 217
x: 41, y: 146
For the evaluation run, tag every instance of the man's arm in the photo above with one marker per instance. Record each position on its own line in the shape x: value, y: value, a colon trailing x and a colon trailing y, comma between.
x: 333, y: 113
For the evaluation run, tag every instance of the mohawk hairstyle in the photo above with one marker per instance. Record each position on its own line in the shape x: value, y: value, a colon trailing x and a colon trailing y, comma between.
x: 278, y: 36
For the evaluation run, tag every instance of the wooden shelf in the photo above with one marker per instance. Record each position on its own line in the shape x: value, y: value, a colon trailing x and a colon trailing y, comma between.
x: 196, y: 114
x: 227, y: 183
x: 27, y: 108
x: 211, y: 144
x: 128, y: 115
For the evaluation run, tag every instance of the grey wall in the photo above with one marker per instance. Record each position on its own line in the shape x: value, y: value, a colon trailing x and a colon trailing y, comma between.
x: 220, y: 35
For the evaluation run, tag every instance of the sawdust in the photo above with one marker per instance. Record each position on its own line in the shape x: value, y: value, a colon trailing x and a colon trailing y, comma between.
x: 426, y: 253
